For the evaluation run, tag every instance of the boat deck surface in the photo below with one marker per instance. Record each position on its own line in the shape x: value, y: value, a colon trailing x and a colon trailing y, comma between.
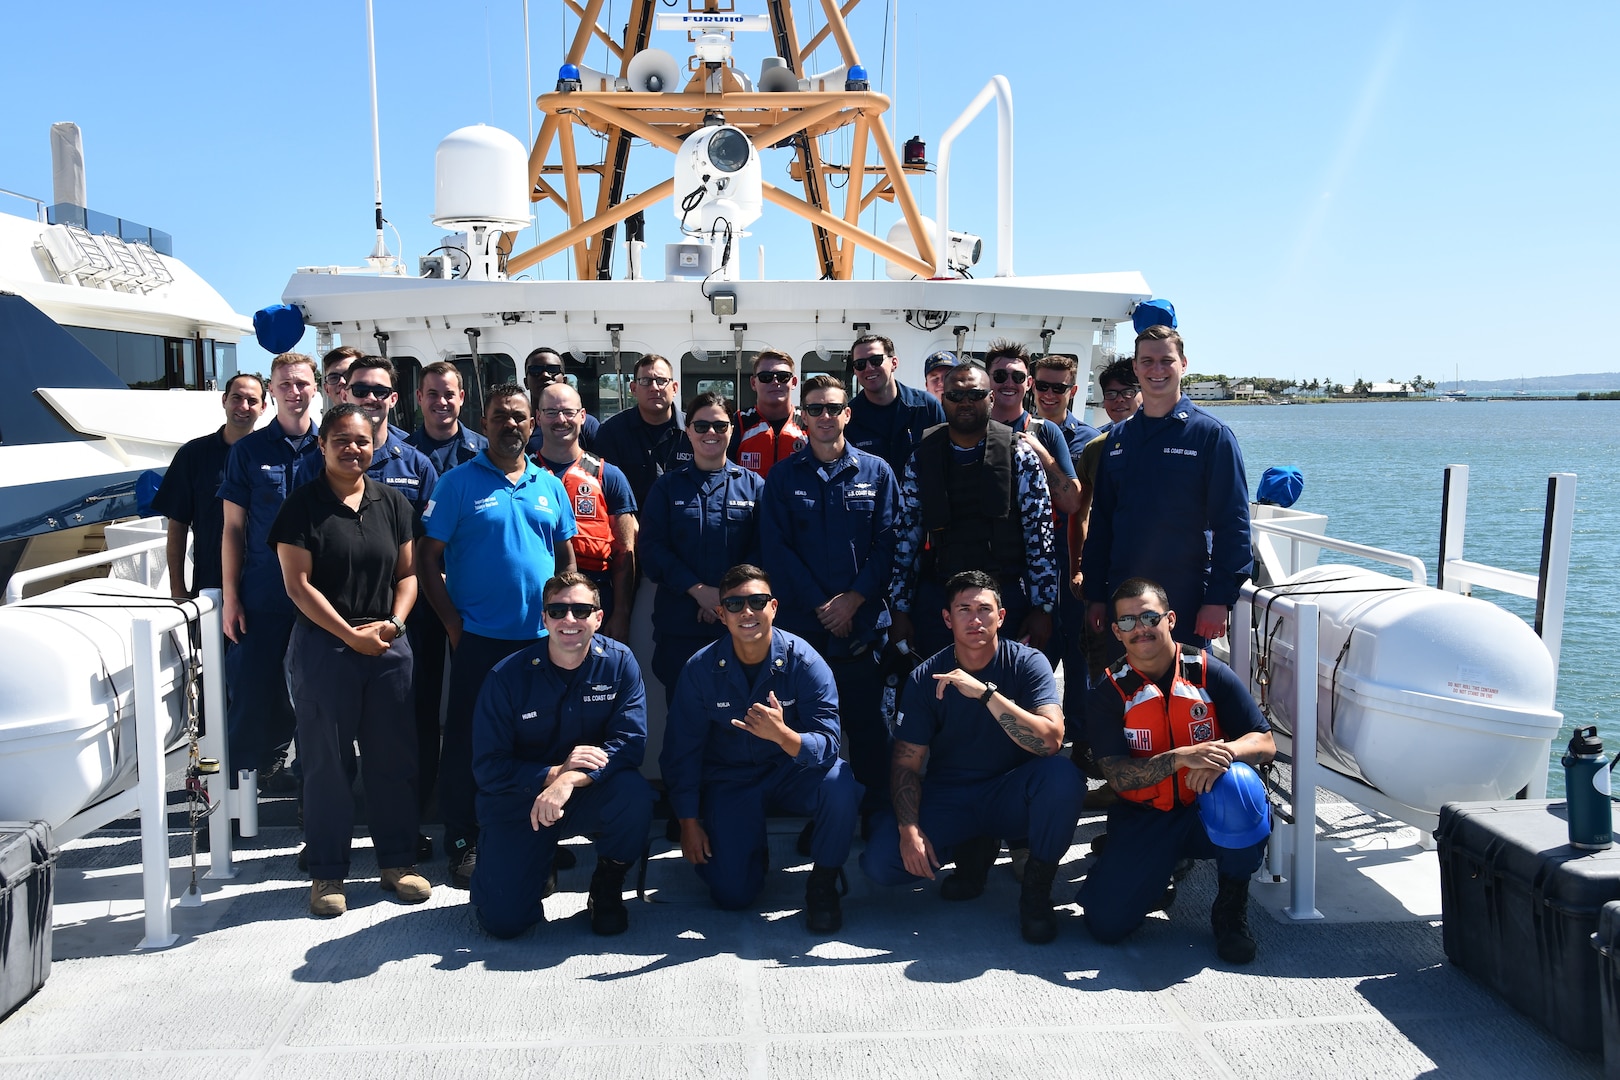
x: 912, y: 986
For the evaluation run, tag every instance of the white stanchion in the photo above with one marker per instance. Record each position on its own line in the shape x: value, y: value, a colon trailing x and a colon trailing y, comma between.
x: 221, y: 861
x: 150, y: 787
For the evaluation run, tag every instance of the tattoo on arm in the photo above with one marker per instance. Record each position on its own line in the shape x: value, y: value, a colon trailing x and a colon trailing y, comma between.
x: 1129, y: 774
x: 905, y: 780
x: 1022, y: 735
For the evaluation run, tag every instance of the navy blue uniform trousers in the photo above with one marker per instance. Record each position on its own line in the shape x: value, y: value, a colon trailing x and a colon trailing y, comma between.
x: 428, y: 644
x: 341, y: 697
x: 514, y: 859
x: 734, y: 809
x: 458, y: 791
x: 860, y: 719
x: 1040, y: 799
x: 1144, y: 845
x: 259, y: 713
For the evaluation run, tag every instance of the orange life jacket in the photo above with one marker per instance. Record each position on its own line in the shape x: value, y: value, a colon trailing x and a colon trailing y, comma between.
x: 760, y: 447
x: 1153, y: 725
x: 593, y: 543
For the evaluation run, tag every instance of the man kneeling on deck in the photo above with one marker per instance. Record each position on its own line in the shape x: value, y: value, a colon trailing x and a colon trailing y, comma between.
x: 753, y: 730
x: 983, y: 716
x: 558, y: 734
x: 1165, y: 724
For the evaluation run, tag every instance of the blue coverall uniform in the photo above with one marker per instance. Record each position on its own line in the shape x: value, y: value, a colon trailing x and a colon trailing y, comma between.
x: 259, y: 475
x: 695, y: 526
x: 530, y: 716
x: 829, y: 528
x: 1171, y: 505
x: 458, y: 449
x: 644, y: 451
x: 979, y: 782
x: 1144, y: 842
x: 893, y: 431
x: 731, y: 779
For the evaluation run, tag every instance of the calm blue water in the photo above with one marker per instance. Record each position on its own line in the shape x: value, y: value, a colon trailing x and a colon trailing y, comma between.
x: 1376, y: 471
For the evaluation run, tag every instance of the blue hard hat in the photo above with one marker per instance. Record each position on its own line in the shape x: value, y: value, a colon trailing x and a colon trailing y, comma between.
x: 278, y: 327
x: 1235, y: 811
x: 1281, y: 485
x: 1153, y: 313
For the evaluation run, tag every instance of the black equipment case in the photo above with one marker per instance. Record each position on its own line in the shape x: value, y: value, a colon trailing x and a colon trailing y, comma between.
x: 27, y: 888
x: 1607, y: 943
x: 1521, y: 906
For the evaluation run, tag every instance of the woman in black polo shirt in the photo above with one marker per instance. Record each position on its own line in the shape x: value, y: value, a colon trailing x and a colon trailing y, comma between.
x: 344, y: 542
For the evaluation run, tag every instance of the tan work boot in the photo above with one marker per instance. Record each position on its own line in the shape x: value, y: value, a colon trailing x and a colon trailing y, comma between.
x: 326, y: 897
x: 410, y: 886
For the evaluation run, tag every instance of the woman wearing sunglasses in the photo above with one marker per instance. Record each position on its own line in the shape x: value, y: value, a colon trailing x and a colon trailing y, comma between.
x: 344, y: 543
x: 697, y: 521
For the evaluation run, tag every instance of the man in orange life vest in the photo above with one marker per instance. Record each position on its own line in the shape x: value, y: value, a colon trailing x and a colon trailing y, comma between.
x: 604, y: 507
x: 766, y: 433
x: 1164, y: 724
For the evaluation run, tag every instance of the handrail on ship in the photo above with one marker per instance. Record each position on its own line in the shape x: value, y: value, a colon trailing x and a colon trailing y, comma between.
x: 999, y: 88
x: 1411, y: 563
x: 21, y: 579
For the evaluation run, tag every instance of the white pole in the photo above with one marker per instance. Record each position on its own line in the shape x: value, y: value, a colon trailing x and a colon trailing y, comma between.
x: 1302, y: 894
x: 214, y: 743
x: 149, y: 780
x: 380, y: 249
x: 1000, y: 89
x: 528, y: 89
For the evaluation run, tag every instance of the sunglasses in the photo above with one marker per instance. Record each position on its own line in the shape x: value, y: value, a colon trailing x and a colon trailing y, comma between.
x: 875, y: 361
x: 1120, y: 395
x: 1001, y: 375
x: 966, y: 395
x: 830, y: 408
x: 1044, y: 387
x: 546, y: 372
x: 1149, y: 619
x: 703, y: 427
x: 653, y: 380
x: 780, y: 378
x: 753, y: 601
x: 578, y: 611
x: 367, y: 390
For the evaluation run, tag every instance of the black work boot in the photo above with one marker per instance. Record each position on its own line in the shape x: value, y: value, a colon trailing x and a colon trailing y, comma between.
x: 822, y: 912
x: 974, y: 858
x: 1036, y: 919
x: 606, y: 904
x: 1229, y: 918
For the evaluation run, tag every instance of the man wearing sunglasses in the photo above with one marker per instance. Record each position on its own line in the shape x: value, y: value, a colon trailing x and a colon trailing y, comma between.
x: 497, y: 529
x: 1165, y: 724
x: 766, y: 433
x: 395, y: 462
x: 827, y: 530
x: 542, y: 368
x: 982, y: 717
x: 1008, y: 364
x: 887, y: 418
x: 558, y: 738
x: 1172, y: 501
x: 977, y: 494
x: 604, y: 508
x: 754, y: 731
x: 648, y: 440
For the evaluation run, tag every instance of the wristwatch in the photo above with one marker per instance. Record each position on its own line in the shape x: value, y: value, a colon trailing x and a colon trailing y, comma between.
x: 399, y: 625
x: 989, y: 691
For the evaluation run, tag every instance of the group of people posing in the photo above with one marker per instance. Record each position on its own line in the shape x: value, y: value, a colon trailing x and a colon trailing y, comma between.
x: 860, y: 605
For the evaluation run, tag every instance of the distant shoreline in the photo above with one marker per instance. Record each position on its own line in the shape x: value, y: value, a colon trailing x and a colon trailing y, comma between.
x: 1402, y: 400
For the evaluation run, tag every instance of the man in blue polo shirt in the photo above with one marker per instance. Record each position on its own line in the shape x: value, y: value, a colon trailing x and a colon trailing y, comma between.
x: 189, y: 494
x: 982, y: 716
x: 498, y: 527
x: 442, y: 436
x: 887, y: 417
x: 1171, y: 503
x: 558, y: 735
x: 257, y: 615
x: 827, y: 521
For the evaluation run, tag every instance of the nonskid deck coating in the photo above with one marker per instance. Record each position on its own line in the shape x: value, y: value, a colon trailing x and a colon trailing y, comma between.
x: 911, y: 987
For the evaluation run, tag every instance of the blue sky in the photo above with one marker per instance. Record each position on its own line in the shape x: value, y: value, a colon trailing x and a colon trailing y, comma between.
x: 1336, y: 190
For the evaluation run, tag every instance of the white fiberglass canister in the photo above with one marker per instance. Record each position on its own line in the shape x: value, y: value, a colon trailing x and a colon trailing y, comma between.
x: 1428, y: 696
x: 67, y: 717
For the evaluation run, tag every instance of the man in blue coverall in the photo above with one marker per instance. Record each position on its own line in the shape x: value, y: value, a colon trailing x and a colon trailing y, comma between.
x: 982, y: 715
x: 645, y: 441
x: 1171, y: 503
x: 1164, y: 724
x: 827, y: 533
x: 557, y: 741
x: 754, y: 731
x: 698, y: 520
x: 257, y: 615
x: 441, y: 435
x: 887, y: 418
x: 497, y: 530
x: 395, y: 462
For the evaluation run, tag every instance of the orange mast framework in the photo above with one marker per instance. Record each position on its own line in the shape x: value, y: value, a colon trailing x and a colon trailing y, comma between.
x: 794, y: 118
